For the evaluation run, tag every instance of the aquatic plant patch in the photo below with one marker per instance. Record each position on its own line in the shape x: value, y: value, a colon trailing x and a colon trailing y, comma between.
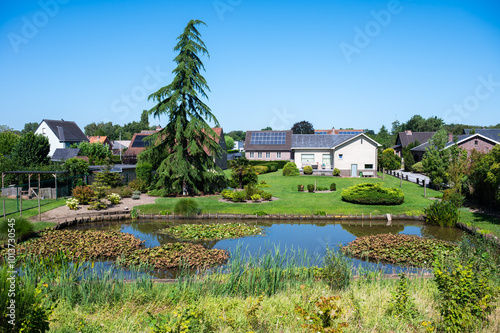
x: 408, y: 250
x: 197, y: 232
x: 173, y: 255
x: 85, y: 245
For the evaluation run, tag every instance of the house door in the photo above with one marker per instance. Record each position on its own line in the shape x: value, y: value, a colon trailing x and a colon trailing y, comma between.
x: 354, y: 170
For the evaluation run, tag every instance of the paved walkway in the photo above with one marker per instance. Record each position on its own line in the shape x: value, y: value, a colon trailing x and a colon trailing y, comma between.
x: 412, y: 177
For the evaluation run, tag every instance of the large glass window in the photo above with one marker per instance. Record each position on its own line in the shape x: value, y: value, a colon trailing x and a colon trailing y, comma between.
x: 268, y: 155
x: 327, y: 159
x: 278, y: 154
x: 251, y: 155
x: 307, y: 158
x: 368, y: 166
x: 259, y: 155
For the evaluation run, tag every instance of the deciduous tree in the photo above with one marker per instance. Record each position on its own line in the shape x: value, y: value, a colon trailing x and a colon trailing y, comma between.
x: 31, y: 150
x: 303, y: 127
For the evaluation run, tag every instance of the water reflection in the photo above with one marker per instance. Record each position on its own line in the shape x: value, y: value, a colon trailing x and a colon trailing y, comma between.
x: 310, y: 236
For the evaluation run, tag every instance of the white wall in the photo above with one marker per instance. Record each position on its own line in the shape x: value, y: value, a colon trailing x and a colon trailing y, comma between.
x: 318, y: 156
x: 44, y: 129
x: 359, y: 151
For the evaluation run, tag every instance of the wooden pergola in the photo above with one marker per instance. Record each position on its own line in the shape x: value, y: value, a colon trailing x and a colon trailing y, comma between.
x: 30, y: 189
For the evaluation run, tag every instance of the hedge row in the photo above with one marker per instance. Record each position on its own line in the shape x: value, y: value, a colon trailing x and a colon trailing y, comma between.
x: 280, y: 163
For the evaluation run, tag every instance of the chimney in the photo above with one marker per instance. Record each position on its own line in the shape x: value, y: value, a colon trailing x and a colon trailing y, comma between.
x: 450, y: 137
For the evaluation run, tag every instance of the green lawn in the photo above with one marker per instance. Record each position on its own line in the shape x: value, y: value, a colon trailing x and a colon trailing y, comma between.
x: 488, y: 223
x: 49, y: 204
x: 292, y: 201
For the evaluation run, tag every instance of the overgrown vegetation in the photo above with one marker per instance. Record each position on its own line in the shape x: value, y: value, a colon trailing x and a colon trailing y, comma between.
x: 198, y: 232
x: 442, y: 213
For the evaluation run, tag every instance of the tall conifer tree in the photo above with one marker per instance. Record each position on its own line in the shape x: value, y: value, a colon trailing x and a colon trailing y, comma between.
x: 187, y: 144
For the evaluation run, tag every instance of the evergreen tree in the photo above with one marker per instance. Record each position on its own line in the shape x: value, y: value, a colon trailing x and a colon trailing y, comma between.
x: 187, y: 168
x: 436, y: 158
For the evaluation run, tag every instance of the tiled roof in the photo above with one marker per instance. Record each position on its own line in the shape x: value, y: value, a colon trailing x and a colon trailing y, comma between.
x: 490, y: 133
x: 405, y: 138
x: 62, y: 154
x: 66, y: 131
x: 100, y: 139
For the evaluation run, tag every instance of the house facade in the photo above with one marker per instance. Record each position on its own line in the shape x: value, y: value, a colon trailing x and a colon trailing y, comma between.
x: 350, y: 153
x: 61, y: 133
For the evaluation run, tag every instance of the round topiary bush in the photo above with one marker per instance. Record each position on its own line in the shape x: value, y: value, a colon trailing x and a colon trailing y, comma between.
x: 308, y: 170
x: 373, y: 194
x: 290, y: 169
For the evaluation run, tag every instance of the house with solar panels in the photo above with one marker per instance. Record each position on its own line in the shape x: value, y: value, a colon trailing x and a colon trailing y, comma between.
x: 138, y: 144
x: 352, y: 154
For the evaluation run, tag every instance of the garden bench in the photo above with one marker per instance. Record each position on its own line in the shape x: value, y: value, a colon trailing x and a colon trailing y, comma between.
x: 367, y: 174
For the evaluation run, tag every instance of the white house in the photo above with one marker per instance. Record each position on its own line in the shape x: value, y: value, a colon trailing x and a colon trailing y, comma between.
x: 351, y: 154
x: 61, y: 133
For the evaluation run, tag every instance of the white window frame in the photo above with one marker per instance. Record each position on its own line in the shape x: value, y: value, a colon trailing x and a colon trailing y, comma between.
x: 341, y: 156
x: 268, y: 155
x: 251, y: 155
x: 259, y: 154
x: 329, y: 159
x: 278, y: 154
x: 308, y: 159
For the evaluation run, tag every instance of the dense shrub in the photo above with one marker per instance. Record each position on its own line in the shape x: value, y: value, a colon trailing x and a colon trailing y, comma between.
x: 300, y: 187
x: 255, y: 197
x: 239, y: 196
x: 260, y: 169
x: 308, y: 170
x: 72, y: 203
x: 251, y: 190
x: 321, y: 188
x: 108, y: 178
x: 333, y: 187
x: 337, y: 269
x: 226, y: 194
x: 310, y: 187
x: 454, y: 197
x: 290, y: 169
x: 280, y: 164
x: 266, y: 196
x: 272, y: 166
x: 144, y: 172
x: 83, y: 194
x: 21, y: 225
x: 336, y: 172
x: 418, y: 167
x: 114, y: 198
x: 442, y: 213
x: 245, y: 175
x: 373, y: 194
x: 139, y: 185
x: 187, y: 207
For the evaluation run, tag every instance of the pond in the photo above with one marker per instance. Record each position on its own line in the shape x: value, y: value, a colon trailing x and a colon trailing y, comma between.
x: 311, y: 236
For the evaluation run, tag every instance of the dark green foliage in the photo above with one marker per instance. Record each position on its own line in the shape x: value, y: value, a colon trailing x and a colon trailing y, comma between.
x: 303, y: 127
x: 466, y: 296
x: 31, y: 150
x: 373, y: 194
x: 187, y: 143
x: 300, y: 187
x: 229, y: 142
x: 266, y: 196
x: 484, y: 177
x: 237, y: 135
x: 242, y: 174
x: 144, y: 171
x: 76, y: 167
x: 83, y: 194
x: 108, y: 178
x: 187, y: 207
x: 321, y: 188
x: 280, y: 163
x: 32, y: 310
x: 437, y: 159
x: 290, y: 169
x: 18, y: 226
x: 7, y: 142
x: 308, y: 170
x: 261, y: 213
x: 239, y: 196
x: 310, y: 187
x: 97, y: 204
x: 337, y: 269
x: 336, y: 172
x: 138, y: 185
x: 97, y: 153
x: 114, y: 132
x: 456, y: 198
x: 333, y: 187
x: 197, y: 232
x: 251, y: 190
x: 409, y: 161
x: 442, y: 213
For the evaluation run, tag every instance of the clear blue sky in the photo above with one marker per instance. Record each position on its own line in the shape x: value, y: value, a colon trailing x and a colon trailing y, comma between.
x: 360, y: 64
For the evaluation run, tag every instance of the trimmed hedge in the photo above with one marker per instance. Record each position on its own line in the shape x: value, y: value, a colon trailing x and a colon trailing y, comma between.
x: 279, y: 163
x: 373, y: 194
x: 308, y: 170
x: 290, y: 169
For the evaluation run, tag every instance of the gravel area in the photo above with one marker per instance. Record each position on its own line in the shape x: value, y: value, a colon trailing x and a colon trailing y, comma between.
x: 63, y: 213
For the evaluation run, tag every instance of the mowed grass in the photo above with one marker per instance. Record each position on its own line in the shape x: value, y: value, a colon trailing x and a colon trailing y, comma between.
x: 12, y: 205
x: 485, y: 222
x: 291, y: 201
x: 52, y: 203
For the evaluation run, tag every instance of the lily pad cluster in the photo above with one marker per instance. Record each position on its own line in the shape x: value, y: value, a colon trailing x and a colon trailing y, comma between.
x: 204, y: 232
x: 408, y: 250
x: 113, y: 245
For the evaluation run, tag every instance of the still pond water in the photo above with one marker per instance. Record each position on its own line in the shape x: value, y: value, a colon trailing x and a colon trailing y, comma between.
x: 310, y: 236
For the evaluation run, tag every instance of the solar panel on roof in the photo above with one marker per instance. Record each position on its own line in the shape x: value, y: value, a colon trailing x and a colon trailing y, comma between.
x: 139, y: 143
x: 268, y: 138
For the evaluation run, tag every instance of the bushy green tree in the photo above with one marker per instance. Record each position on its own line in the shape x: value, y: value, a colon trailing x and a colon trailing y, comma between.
x: 242, y: 173
x: 31, y: 150
x: 76, y: 167
x: 229, y: 142
x: 144, y: 171
x: 187, y: 141
x: 484, y: 177
x: 7, y: 142
x: 303, y: 127
x: 437, y: 158
x: 389, y: 160
x: 29, y: 127
x: 96, y: 152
